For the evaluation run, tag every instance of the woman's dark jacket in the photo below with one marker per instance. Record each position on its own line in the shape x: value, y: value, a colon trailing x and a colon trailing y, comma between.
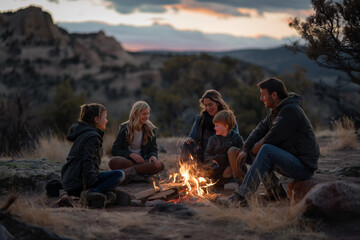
x: 219, y: 145
x: 121, y: 145
x: 287, y: 127
x: 80, y: 171
x: 203, y: 123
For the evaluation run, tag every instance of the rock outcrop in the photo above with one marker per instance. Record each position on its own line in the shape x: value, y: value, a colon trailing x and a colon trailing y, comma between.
x: 25, y: 175
x: 36, y: 54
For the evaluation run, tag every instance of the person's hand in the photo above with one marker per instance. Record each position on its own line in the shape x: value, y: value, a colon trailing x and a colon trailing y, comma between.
x: 155, y: 161
x: 189, y: 140
x: 137, y: 158
x: 256, y: 147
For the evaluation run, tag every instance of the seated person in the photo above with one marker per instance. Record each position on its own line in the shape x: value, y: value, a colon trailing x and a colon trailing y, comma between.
x: 203, y: 128
x: 80, y: 175
x: 135, y: 149
x: 284, y: 142
x: 216, y: 158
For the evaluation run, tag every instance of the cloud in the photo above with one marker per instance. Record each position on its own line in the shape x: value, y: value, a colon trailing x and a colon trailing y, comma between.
x: 212, y: 8
x: 165, y: 37
x: 129, y: 6
x: 224, y: 7
x: 264, y: 5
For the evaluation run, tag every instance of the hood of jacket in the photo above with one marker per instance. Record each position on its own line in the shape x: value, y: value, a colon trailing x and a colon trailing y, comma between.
x: 293, y: 98
x: 77, y: 129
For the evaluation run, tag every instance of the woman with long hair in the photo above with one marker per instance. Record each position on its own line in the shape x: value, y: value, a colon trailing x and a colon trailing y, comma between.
x: 135, y: 149
x: 203, y: 128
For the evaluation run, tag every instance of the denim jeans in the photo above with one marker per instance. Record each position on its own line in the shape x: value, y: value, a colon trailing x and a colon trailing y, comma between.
x: 108, y: 180
x: 268, y: 160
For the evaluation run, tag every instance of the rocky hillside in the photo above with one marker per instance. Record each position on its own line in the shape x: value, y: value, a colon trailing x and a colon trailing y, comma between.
x: 36, y: 54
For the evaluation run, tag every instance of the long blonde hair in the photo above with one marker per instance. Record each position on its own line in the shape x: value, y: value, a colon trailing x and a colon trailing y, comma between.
x: 134, y: 122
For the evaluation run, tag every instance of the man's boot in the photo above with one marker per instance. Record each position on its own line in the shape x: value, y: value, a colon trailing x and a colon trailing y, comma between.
x: 132, y: 176
x: 235, y: 200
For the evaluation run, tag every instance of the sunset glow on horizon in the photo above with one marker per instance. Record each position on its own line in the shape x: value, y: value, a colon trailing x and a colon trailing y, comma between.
x: 207, y: 17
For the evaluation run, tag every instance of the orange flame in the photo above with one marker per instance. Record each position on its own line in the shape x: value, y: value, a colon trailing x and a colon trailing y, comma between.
x: 191, y: 177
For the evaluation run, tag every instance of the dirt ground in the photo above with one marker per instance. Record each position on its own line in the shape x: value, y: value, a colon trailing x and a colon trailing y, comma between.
x: 281, y: 220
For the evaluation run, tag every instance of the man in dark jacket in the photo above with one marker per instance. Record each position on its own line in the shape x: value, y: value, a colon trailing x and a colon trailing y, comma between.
x: 283, y: 142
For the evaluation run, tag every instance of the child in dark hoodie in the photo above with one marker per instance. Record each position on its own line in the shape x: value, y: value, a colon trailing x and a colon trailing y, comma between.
x: 80, y: 174
x: 216, y: 158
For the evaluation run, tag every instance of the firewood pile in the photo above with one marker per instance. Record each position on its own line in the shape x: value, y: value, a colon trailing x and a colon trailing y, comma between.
x: 175, y: 192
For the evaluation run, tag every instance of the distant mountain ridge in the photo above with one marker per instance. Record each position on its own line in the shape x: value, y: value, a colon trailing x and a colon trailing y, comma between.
x: 279, y: 60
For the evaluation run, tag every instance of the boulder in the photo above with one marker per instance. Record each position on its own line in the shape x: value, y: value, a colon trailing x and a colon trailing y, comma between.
x: 336, y: 200
x: 28, y: 174
x: 298, y: 189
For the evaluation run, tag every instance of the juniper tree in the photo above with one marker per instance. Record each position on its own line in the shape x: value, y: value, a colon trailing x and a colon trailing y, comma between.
x: 332, y: 36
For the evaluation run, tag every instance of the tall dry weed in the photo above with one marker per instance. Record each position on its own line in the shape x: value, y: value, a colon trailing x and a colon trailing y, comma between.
x: 37, y: 214
x: 52, y: 147
x: 281, y: 216
x: 345, y: 138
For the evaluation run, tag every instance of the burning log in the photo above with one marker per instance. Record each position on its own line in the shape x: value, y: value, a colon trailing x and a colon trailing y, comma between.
x: 146, y: 193
x: 189, y: 183
x: 163, y: 194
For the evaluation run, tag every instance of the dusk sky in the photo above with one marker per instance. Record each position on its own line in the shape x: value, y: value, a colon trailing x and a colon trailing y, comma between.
x: 178, y: 24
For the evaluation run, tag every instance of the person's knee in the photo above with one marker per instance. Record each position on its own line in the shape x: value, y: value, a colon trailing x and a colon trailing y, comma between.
x: 116, y: 163
x: 232, y: 151
x: 119, y: 173
x: 266, y: 147
x: 112, y: 163
x: 232, y: 154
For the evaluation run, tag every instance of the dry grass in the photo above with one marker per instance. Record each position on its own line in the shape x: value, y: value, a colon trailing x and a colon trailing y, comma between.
x: 283, y: 217
x: 101, y: 224
x: 345, y: 134
x: 52, y: 147
x: 259, y: 217
x: 108, y: 141
x: 35, y: 212
x: 343, y: 137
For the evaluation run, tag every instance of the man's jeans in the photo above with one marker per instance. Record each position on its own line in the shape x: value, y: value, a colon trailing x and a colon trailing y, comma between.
x: 108, y: 180
x: 268, y: 160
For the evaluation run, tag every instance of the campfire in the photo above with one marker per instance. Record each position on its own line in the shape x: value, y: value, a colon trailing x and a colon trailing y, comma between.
x: 189, y: 184
x: 194, y: 185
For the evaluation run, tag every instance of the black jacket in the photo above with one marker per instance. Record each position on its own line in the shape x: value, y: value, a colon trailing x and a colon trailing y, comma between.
x: 80, y: 171
x: 287, y: 127
x: 121, y: 145
x: 218, y: 146
x: 202, y: 124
